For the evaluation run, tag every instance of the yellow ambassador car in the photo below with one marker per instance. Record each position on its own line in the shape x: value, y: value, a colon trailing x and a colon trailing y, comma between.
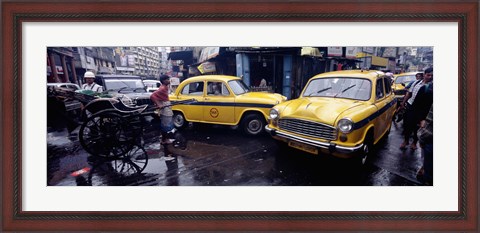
x: 341, y: 113
x: 399, y: 83
x: 224, y: 100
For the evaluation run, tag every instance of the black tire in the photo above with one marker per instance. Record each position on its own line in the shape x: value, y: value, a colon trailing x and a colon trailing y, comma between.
x: 133, y: 162
x: 253, y: 124
x: 179, y: 120
x: 367, y: 149
x: 105, y: 169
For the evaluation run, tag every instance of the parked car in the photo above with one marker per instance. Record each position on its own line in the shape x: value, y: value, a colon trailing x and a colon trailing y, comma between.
x: 399, y: 83
x: 127, y: 88
x: 223, y: 100
x: 71, y: 86
x: 340, y: 113
x: 151, y: 85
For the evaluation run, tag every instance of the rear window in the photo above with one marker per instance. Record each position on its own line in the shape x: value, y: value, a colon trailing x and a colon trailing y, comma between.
x: 405, y: 79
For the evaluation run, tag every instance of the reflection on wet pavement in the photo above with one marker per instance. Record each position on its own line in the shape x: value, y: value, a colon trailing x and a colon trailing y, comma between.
x: 220, y: 156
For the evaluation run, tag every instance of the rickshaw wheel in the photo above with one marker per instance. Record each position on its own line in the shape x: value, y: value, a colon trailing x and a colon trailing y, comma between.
x: 133, y: 162
x: 114, y: 171
x: 104, y: 134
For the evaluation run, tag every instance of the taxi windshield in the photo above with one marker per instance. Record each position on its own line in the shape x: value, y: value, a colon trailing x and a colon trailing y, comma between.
x: 339, y: 87
x: 238, y: 87
x: 405, y: 79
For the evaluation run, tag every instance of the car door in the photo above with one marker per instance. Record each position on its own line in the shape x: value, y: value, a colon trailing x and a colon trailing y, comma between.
x: 381, y: 104
x: 193, y: 90
x: 219, y: 103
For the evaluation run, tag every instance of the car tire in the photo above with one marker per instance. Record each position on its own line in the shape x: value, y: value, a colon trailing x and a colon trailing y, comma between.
x: 179, y: 120
x: 368, y: 150
x: 253, y: 124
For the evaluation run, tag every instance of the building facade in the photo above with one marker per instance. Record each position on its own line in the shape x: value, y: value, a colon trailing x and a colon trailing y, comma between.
x: 143, y: 61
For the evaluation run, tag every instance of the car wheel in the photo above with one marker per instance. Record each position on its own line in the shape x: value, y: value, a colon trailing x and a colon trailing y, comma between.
x: 179, y: 120
x: 367, y: 150
x: 253, y: 124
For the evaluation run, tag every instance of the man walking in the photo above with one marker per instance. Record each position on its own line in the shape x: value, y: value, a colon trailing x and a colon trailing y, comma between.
x: 161, y: 100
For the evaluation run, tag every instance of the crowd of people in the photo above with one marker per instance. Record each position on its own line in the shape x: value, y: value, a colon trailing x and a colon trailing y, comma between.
x: 418, y: 121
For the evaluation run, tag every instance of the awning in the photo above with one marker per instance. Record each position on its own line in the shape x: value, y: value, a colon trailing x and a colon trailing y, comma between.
x: 311, y: 51
x: 180, y: 55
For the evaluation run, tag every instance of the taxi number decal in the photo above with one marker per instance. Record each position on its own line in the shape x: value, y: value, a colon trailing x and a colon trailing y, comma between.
x: 214, y: 112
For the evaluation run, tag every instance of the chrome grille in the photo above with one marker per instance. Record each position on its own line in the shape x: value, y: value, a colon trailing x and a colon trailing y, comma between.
x: 308, y: 128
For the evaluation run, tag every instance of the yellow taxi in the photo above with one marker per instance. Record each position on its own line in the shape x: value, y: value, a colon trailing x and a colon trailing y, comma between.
x: 340, y: 113
x: 224, y: 100
x: 399, y: 83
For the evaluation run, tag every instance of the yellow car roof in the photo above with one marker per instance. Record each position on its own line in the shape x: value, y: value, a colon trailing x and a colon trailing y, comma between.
x: 370, y: 74
x: 224, y: 78
x: 408, y: 73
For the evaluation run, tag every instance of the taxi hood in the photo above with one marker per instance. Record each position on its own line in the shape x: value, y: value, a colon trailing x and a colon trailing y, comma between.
x: 264, y: 97
x: 324, y: 110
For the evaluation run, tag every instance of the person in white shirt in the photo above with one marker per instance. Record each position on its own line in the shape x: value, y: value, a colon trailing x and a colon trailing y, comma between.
x: 90, y: 84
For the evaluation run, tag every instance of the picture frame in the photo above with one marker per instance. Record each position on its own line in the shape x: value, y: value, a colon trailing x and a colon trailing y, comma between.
x: 14, y: 13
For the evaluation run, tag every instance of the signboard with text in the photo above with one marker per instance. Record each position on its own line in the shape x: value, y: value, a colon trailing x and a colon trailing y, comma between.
x: 351, y: 52
x: 207, y: 67
x: 334, y: 51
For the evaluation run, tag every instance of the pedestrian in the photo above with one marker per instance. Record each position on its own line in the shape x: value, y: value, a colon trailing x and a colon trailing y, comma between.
x: 263, y: 83
x: 416, y: 107
x: 425, y: 173
x: 418, y: 76
x: 90, y: 84
x: 400, y: 110
x: 161, y: 100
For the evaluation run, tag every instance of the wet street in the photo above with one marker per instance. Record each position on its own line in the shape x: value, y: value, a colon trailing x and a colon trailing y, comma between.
x: 208, y: 155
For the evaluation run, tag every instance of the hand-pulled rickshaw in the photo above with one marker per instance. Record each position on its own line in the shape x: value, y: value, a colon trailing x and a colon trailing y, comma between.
x: 112, y: 130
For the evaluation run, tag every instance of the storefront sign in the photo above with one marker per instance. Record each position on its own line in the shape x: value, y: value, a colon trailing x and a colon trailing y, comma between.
x: 59, y: 69
x: 368, y: 50
x: 209, y: 52
x: 390, y: 52
x: 334, y: 51
x: 351, y: 52
x: 207, y: 67
x: 125, y: 69
x: 311, y: 51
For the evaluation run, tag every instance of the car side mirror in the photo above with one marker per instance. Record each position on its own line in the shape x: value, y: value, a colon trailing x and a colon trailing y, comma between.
x: 403, y: 84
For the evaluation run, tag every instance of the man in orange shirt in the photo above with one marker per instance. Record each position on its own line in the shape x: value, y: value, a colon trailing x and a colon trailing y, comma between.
x: 161, y: 100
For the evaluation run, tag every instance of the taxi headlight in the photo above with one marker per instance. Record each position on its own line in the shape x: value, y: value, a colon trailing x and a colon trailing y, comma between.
x: 273, y: 114
x: 345, y: 125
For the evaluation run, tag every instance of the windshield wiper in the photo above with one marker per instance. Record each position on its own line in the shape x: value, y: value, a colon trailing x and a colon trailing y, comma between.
x: 344, y: 90
x: 139, y: 88
x: 123, y: 88
x: 322, y: 90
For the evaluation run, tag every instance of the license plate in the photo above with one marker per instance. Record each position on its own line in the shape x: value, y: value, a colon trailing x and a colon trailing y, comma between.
x: 303, y: 147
